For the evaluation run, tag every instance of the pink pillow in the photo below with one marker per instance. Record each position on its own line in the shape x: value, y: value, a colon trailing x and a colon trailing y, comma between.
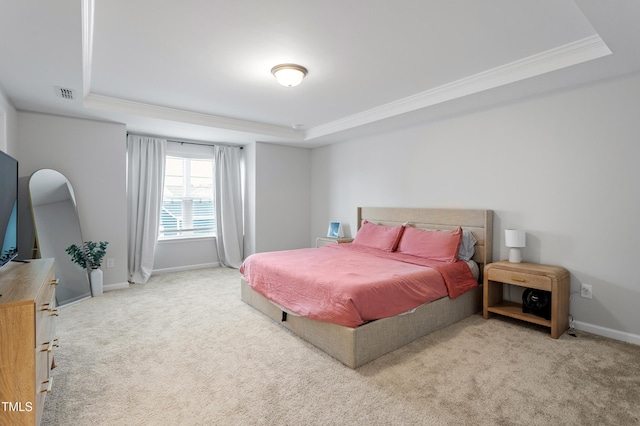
x: 434, y: 245
x: 380, y: 237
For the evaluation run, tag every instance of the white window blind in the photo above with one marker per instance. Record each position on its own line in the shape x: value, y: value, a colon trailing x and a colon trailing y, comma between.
x: 188, y: 208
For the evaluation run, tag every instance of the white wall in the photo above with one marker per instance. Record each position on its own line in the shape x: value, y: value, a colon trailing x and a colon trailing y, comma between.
x: 250, y: 199
x: 8, y: 126
x: 184, y: 254
x: 562, y: 166
x: 91, y: 154
x: 282, y: 198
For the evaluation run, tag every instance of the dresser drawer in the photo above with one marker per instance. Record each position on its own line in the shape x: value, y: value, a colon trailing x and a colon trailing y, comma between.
x: 43, y: 379
x: 522, y: 279
x: 46, y: 312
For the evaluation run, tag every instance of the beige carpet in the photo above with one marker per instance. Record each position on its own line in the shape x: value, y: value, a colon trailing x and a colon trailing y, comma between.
x: 183, y: 349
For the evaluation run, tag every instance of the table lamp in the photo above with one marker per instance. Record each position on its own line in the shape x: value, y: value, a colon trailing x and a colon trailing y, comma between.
x: 515, y: 239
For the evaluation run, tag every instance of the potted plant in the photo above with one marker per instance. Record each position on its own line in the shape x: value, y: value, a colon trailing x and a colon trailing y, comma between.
x: 89, y: 256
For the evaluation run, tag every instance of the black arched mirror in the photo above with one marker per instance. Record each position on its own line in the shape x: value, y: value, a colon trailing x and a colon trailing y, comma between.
x: 57, y: 226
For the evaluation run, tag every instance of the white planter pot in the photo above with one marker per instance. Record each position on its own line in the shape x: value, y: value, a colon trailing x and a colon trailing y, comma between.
x: 95, y: 277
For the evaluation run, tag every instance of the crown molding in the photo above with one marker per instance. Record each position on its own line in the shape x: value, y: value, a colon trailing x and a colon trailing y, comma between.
x: 574, y: 53
x: 124, y: 106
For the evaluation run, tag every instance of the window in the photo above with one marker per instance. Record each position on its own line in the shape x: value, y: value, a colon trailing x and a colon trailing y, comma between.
x: 188, y: 208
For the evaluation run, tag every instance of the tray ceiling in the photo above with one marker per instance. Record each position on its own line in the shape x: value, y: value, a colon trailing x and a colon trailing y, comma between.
x: 201, y: 70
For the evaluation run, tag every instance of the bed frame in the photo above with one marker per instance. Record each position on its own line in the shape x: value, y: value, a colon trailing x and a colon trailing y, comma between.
x: 357, y: 346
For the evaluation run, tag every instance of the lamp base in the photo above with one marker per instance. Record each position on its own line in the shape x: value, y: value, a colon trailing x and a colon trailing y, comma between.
x: 515, y: 255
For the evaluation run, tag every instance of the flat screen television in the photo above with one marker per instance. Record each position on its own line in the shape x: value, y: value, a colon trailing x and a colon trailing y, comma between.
x: 8, y: 208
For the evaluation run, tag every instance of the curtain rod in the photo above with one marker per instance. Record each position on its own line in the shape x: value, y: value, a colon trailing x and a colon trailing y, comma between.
x: 189, y: 141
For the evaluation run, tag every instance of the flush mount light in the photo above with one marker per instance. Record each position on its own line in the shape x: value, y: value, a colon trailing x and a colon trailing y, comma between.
x: 289, y: 75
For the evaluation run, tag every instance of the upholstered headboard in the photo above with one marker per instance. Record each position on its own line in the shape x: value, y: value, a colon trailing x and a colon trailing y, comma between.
x: 479, y: 222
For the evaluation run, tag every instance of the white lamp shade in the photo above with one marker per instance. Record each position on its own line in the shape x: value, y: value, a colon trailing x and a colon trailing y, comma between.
x: 515, y: 238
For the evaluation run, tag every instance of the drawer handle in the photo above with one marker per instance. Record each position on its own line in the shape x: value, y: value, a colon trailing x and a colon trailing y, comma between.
x: 49, y: 384
x: 53, y: 312
x: 55, y: 281
x: 520, y: 280
x: 50, y: 345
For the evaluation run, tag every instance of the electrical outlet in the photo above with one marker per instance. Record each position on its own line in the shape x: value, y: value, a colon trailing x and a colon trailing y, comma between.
x: 586, y: 290
x: 110, y: 263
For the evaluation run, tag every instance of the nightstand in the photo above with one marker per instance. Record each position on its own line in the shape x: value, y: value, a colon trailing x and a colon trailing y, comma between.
x: 323, y: 241
x: 554, y: 279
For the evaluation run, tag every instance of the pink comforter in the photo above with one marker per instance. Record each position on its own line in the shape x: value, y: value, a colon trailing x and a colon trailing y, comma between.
x: 350, y: 285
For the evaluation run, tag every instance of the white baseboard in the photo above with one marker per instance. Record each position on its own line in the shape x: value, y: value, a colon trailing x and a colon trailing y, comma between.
x: 116, y: 286
x: 73, y: 302
x: 607, y: 332
x: 124, y: 285
x: 185, y: 268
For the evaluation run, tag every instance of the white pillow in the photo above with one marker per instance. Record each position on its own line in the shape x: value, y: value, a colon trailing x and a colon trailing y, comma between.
x: 467, y: 247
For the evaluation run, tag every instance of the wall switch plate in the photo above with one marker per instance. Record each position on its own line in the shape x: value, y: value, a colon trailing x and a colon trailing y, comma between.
x: 110, y: 263
x: 586, y: 290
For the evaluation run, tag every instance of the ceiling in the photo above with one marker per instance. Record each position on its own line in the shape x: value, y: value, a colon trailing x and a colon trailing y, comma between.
x: 200, y: 70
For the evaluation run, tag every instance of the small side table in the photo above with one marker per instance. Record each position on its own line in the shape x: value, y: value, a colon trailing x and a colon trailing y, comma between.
x: 554, y: 279
x: 323, y: 241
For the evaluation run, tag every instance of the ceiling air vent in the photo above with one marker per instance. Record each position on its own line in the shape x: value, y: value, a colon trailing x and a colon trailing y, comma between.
x: 61, y: 92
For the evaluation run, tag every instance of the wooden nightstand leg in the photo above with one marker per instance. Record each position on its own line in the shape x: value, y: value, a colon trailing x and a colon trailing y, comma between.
x: 485, y: 300
x: 492, y: 293
x: 559, y: 308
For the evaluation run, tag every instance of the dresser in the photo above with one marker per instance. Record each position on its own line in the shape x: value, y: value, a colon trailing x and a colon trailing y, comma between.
x: 27, y: 339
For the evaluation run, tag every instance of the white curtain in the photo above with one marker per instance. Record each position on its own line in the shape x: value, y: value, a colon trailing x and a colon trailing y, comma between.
x: 228, y: 201
x: 145, y: 183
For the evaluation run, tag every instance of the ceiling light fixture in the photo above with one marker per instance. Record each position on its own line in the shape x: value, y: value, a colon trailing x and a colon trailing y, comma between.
x: 289, y: 75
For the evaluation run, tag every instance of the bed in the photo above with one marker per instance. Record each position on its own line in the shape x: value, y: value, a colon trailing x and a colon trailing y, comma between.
x: 360, y: 342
